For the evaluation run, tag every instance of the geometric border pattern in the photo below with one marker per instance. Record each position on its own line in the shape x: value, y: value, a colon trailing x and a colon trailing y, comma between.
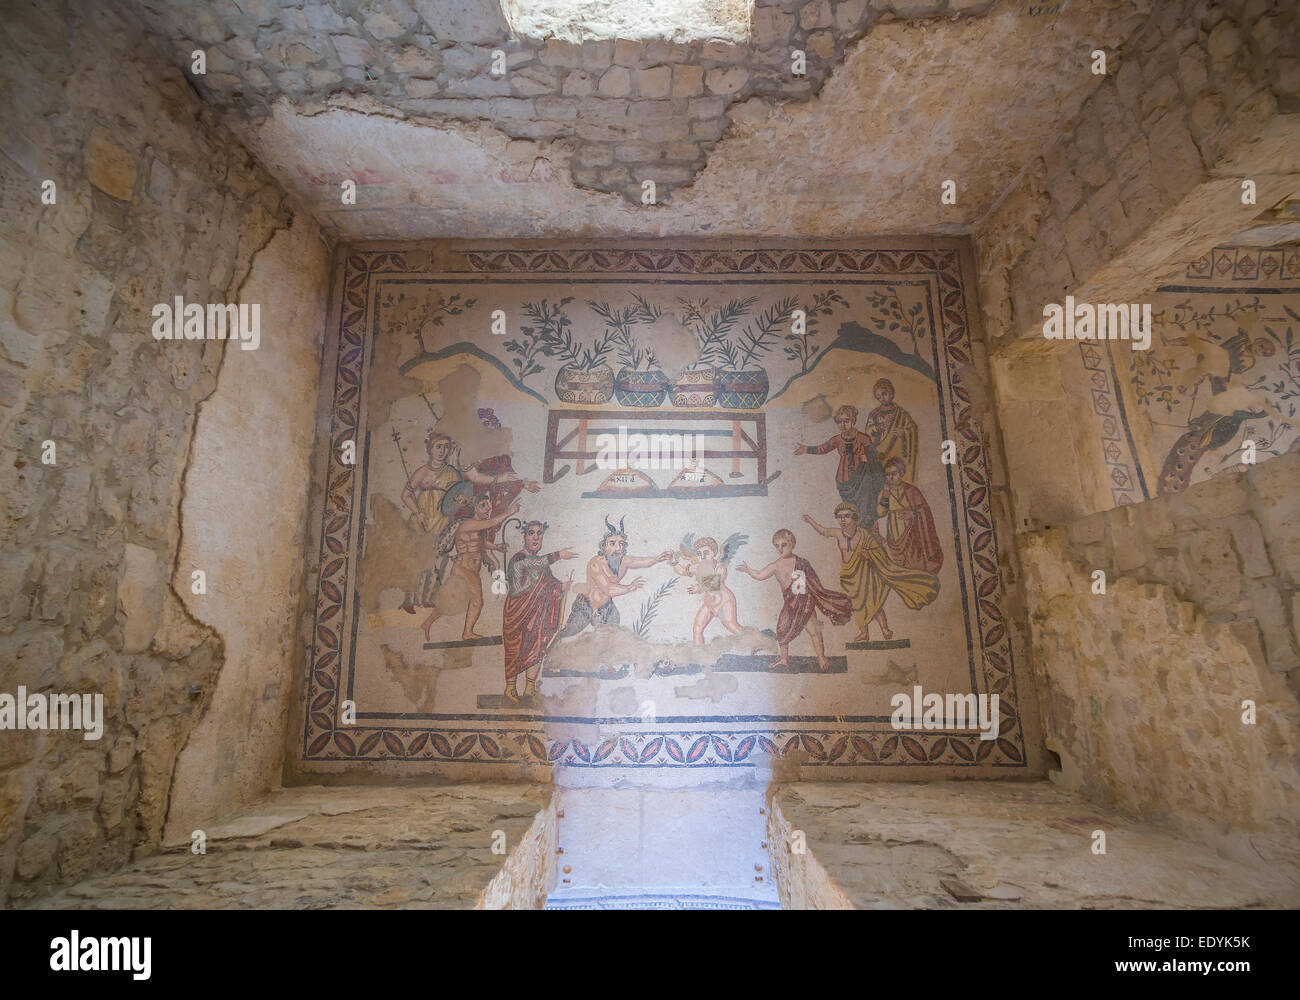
x: 1125, y: 488
x: 721, y: 743
x: 1247, y: 264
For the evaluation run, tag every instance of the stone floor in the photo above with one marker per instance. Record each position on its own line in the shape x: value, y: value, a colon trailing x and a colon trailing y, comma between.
x: 381, y: 848
x: 986, y: 845
x: 940, y: 845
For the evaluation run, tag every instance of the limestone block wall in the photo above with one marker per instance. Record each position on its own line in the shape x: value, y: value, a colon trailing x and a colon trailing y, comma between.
x: 1142, y: 688
x: 439, y: 145
x: 1141, y: 185
x: 529, y: 873
x: 994, y: 845
x: 152, y: 201
x: 634, y: 109
x: 1202, y: 96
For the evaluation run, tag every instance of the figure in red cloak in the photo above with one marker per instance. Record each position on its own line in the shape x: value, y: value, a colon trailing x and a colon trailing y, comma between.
x: 802, y: 595
x: 533, y: 610
x: 906, y: 525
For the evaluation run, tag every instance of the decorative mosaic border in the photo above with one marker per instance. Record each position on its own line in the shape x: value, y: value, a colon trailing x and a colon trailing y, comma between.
x: 324, y: 739
x: 1116, y: 448
x: 1248, y: 264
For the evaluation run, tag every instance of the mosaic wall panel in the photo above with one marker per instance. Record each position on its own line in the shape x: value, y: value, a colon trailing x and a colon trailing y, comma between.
x: 1223, y: 370
x: 504, y: 579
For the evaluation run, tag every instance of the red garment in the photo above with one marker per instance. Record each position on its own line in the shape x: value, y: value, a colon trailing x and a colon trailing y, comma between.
x: 502, y: 494
x: 531, y: 620
x: 798, y: 608
x: 852, y: 454
x: 918, y: 546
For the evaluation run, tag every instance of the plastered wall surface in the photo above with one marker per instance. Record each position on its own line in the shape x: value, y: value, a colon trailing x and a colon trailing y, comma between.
x: 403, y: 99
x: 255, y: 431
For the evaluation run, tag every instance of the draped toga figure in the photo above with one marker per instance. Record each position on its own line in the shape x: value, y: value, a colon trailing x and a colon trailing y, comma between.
x: 534, y: 604
x: 868, y: 575
x: 859, y: 477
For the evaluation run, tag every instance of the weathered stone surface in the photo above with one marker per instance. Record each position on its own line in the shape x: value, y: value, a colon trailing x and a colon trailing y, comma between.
x: 654, y: 83
x: 464, y: 20
x: 726, y: 80
x: 615, y: 82
x: 1173, y: 205
x: 1144, y: 684
x: 154, y: 200
x: 139, y: 595
x: 987, y: 845
x: 860, y: 57
x: 108, y: 166
x: 274, y: 386
x: 1083, y: 185
x: 354, y: 848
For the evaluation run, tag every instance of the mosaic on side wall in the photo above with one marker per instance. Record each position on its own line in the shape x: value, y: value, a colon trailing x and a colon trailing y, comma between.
x: 1222, y: 373
x: 660, y: 508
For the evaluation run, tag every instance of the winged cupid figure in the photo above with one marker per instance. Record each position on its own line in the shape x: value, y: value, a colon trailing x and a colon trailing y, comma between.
x: 701, y: 560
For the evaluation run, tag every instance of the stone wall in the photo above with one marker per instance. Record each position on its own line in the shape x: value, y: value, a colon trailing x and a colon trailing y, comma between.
x: 1143, y: 686
x: 257, y: 429
x: 1150, y: 174
x: 454, y: 848
x: 636, y: 109
x: 1143, y: 183
x: 153, y: 201
x: 995, y: 845
x: 529, y: 873
x: 401, y: 98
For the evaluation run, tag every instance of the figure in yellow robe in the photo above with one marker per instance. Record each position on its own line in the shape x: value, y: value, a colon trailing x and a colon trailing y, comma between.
x: 869, y: 576
x: 893, y: 430
x: 423, y: 495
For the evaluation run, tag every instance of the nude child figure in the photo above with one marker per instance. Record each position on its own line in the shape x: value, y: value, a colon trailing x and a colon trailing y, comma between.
x: 702, y: 562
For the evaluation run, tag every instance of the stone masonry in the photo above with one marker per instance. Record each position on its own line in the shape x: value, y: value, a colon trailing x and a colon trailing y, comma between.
x: 1202, y: 97
x: 153, y: 200
x: 994, y: 845
x: 634, y: 110
x: 313, y: 848
x: 1142, y: 687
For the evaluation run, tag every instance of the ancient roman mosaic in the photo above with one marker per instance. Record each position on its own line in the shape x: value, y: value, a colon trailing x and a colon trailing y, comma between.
x: 655, y: 508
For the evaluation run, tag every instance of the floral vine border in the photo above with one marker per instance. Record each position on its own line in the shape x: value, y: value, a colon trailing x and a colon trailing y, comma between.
x: 325, y: 740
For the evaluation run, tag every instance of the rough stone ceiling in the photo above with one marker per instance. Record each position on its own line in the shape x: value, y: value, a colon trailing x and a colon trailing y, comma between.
x: 677, y: 20
x: 400, y: 97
